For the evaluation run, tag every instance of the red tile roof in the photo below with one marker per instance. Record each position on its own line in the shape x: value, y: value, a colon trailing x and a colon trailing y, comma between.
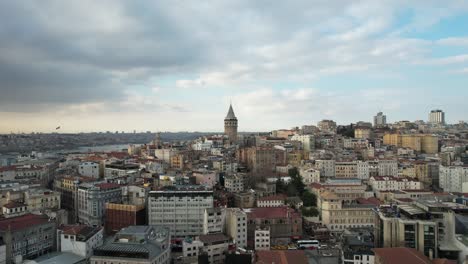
x: 13, y: 204
x: 277, y: 197
x: 443, y: 261
x: 107, y: 185
x: 271, y: 212
x: 400, y: 255
x: 370, y: 200
x: 22, y: 222
x: 281, y: 257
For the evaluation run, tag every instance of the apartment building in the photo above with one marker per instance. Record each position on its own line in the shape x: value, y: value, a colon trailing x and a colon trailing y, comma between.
x: 27, y: 236
x: 80, y: 240
x: 262, y: 238
x: 339, y: 216
x: 92, y: 198
x: 214, y: 220
x: 236, y: 226
x: 381, y: 183
x: 181, y: 208
x: 234, y: 182
x: 346, y: 169
x: 453, y: 178
x: 326, y: 167
x: 284, y: 223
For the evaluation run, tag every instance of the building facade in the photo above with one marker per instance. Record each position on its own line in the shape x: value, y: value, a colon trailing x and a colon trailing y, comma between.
x: 92, y: 199
x: 180, y: 208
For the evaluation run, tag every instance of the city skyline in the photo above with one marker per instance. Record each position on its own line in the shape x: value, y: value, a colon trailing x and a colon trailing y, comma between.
x: 175, y: 66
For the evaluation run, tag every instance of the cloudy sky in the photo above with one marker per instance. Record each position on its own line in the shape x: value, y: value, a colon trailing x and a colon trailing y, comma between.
x: 175, y: 65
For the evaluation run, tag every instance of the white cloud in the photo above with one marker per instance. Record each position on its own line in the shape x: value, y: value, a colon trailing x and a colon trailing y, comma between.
x: 454, y: 41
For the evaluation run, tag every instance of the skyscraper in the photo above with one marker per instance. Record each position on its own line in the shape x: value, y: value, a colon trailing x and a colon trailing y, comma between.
x: 230, y: 125
x: 437, y: 117
x: 380, y: 120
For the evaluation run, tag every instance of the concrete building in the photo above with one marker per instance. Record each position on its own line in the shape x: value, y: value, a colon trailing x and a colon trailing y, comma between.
x: 307, y: 141
x: 326, y: 167
x: 339, y: 216
x: 388, y: 167
x: 357, y: 246
x: 214, y: 220
x: 215, y: 246
x: 452, y: 178
x: 261, y: 160
x: 262, y: 238
x: 284, y: 223
x: 91, y: 169
x: 236, y: 226
x: 234, y: 182
x: 230, y: 126
x: 437, y: 117
x: 92, y: 198
x: 136, y: 245
x: 380, y: 120
x: 390, y: 183
x: 346, y: 169
x: 14, y: 209
x: 27, y: 237
x: 79, y: 239
x: 180, y: 208
x: 120, y: 172
x: 427, y: 225
x: 309, y: 175
x: 39, y: 200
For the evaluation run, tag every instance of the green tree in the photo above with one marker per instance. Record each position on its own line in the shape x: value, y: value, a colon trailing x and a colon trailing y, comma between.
x: 308, y: 198
x: 309, y: 212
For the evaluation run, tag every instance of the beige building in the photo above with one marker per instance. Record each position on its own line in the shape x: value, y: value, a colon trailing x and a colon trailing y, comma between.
x: 339, y: 216
x: 345, y: 169
x: 42, y: 199
x: 419, y: 142
x: 362, y: 132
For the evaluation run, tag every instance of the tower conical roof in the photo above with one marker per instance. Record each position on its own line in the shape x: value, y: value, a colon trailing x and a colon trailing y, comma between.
x: 230, y: 114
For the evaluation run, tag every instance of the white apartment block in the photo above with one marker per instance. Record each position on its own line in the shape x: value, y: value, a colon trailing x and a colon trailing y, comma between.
x: 236, y: 226
x: 388, y: 167
x: 363, y: 170
x: 79, y: 239
x: 262, y: 238
x: 90, y: 169
x: 234, y: 183
x: 214, y: 220
x: 307, y: 141
x: 309, y: 175
x: 381, y: 183
x: 326, y: 167
x: 452, y: 178
x: 181, y: 209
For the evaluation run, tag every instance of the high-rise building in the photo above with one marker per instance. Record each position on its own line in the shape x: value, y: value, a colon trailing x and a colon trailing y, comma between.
x: 230, y: 125
x: 380, y: 120
x: 437, y: 117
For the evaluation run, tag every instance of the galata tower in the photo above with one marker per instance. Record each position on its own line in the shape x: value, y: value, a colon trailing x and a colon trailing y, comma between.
x: 230, y: 125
